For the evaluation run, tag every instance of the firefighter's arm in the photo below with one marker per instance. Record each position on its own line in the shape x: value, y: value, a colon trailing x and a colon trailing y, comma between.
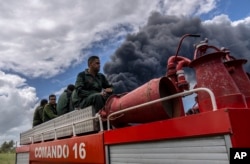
x: 108, y: 88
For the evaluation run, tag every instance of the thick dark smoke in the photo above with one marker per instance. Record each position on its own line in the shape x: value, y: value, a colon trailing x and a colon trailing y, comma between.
x: 143, y: 55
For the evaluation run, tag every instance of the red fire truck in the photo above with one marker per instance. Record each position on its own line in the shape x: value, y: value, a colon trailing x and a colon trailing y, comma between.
x: 149, y: 124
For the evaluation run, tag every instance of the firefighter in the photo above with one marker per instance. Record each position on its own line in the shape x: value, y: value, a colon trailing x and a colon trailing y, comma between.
x: 49, y: 111
x: 63, y: 103
x: 38, y: 114
x: 91, y: 87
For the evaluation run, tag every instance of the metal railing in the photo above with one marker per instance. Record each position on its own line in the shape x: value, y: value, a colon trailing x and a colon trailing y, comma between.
x: 97, y: 116
x: 211, y: 94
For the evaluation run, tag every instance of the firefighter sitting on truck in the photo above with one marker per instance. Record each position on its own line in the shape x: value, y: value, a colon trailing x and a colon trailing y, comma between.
x: 63, y: 103
x: 49, y: 111
x: 38, y: 114
x: 91, y: 87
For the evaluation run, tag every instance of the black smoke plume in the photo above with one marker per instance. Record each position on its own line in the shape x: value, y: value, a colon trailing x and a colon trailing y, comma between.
x: 143, y: 56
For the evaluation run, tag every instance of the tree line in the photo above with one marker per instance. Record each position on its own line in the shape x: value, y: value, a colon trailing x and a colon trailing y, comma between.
x: 7, y: 147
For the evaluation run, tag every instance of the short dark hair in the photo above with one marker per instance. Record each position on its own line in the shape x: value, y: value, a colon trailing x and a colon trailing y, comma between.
x: 91, y: 59
x: 71, y: 87
x: 52, y: 95
x: 43, y: 102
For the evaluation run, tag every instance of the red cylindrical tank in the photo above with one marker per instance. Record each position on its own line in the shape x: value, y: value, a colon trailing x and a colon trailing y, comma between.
x: 211, y: 73
x: 152, y: 90
x: 240, y: 77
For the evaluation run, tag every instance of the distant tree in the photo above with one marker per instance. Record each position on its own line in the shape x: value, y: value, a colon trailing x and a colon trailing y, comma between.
x: 4, y: 147
x: 7, y: 147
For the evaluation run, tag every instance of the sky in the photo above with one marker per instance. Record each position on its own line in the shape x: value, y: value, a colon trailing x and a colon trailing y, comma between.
x: 44, y: 44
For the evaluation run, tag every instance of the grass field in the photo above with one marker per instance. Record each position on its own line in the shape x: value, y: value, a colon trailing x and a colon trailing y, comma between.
x: 7, y: 158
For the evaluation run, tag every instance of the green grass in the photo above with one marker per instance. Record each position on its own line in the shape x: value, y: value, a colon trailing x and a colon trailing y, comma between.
x: 7, y: 158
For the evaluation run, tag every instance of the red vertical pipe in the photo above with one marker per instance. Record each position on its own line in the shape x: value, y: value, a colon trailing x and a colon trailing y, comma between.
x: 211, y: 73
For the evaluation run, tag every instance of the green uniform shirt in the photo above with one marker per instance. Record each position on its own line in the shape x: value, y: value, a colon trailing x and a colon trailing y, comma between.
x: 63, y: 102
x: 38, y: 116
x: 49, y: 112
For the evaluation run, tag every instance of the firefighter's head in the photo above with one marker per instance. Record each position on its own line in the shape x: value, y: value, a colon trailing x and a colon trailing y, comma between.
x: 52, y: 99
x: 94, y: 63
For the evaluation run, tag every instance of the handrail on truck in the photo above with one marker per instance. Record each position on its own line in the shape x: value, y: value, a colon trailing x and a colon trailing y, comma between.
x: 211, y: 94
x: 73, y: 127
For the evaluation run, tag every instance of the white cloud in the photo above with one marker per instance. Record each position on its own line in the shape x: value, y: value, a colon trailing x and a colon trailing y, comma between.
x: 187, y: 7
x: 43, y: 38
x: 225, y: 20
x: 220, y: 19
x: 17, y: 101
x: 245, y: 21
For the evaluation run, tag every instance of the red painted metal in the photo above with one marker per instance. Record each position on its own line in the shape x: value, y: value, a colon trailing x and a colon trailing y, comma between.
x: 198, y: 125
x: 154, y: 89
x: 83, y: 149
x: 240, y: 77
x: 23, y: 148
x: 211, y: 73
x: 201, y: 49
x: 240, y: 127
x: 176, y: 73
x: 248, y: 74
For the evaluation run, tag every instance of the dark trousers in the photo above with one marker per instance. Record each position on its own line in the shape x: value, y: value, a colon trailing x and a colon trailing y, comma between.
x: 96, y: 100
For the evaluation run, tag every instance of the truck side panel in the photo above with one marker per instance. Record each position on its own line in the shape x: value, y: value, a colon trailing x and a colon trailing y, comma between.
x: 82, y: 149
x: 22, y: 158
x: 205, y: 150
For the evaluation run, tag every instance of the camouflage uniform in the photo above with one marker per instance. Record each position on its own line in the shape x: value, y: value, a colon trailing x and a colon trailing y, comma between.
x: 88, y: 89
x: 49, y: 112
x: 38, y: 116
